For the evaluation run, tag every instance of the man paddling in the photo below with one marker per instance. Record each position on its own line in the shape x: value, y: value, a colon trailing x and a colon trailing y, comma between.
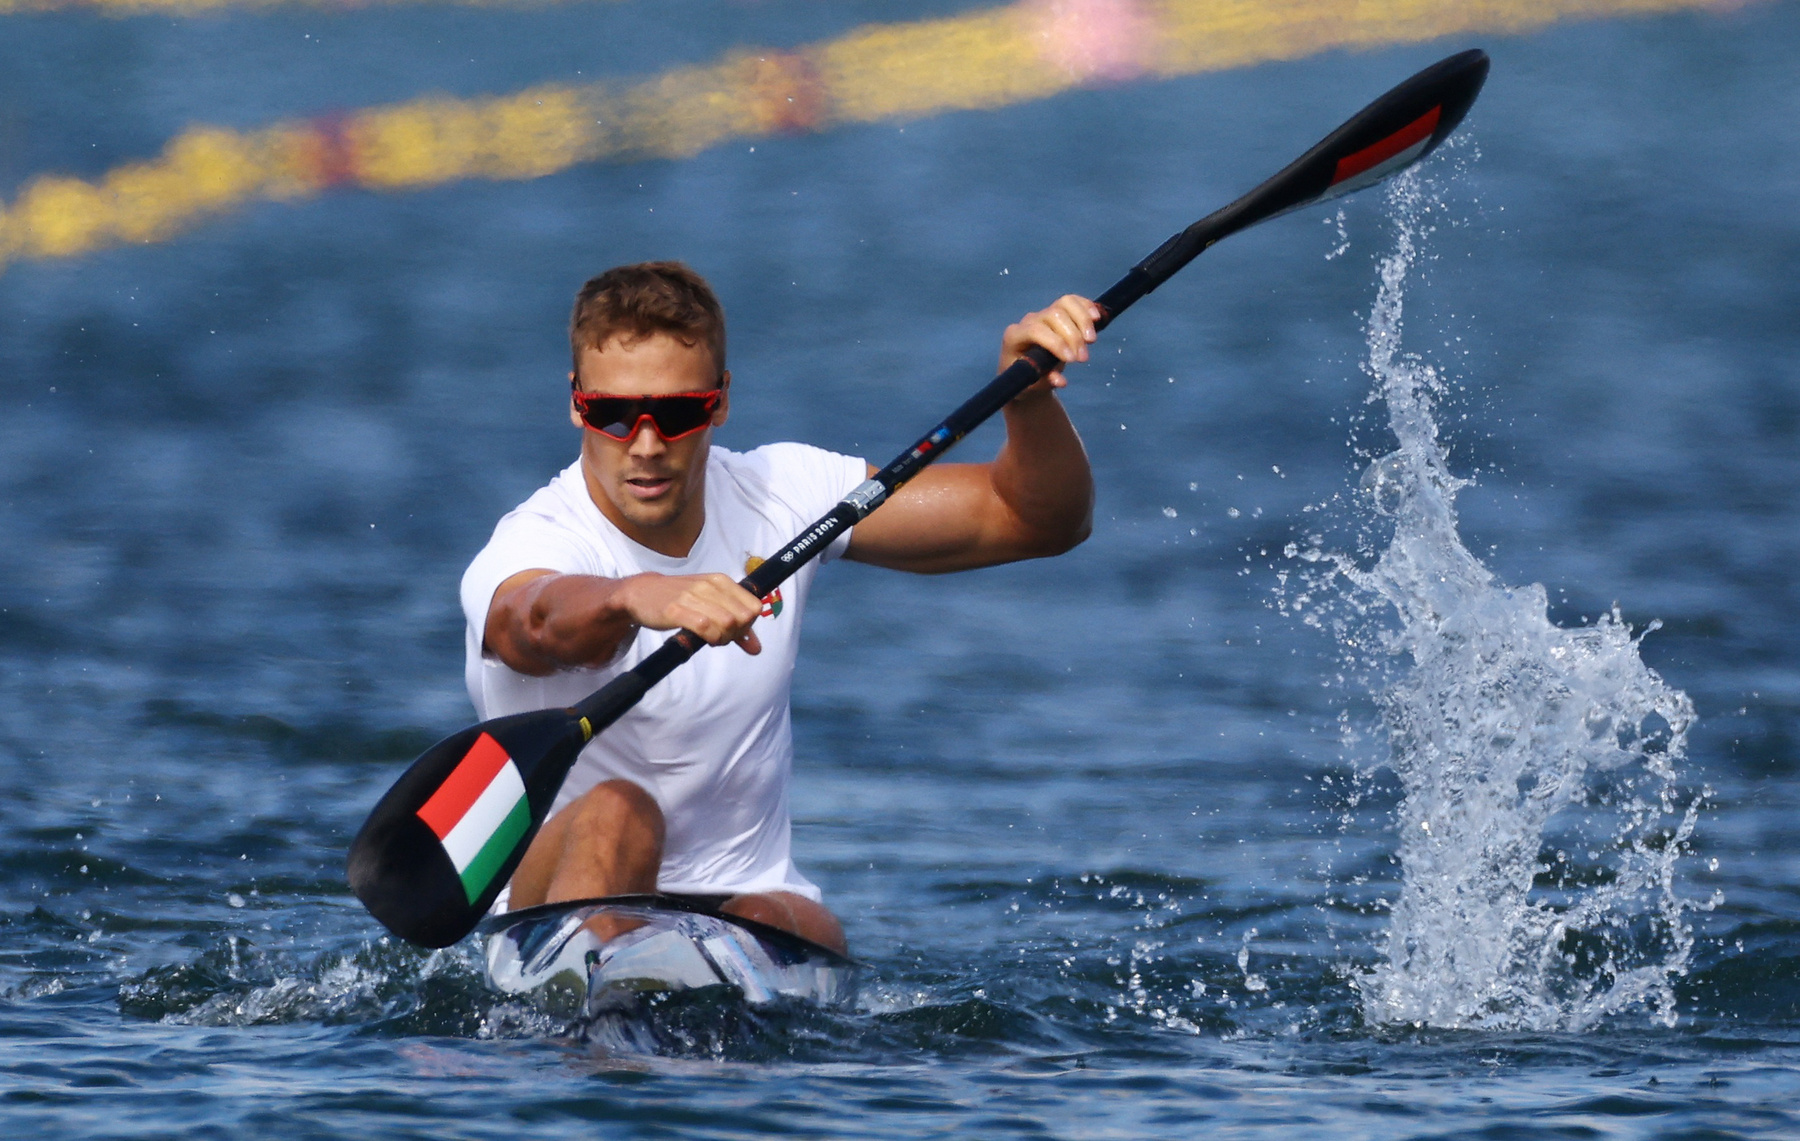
x: 650, y: 530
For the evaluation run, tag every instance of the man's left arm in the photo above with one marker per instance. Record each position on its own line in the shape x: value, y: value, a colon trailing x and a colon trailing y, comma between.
x: 1036, y: 498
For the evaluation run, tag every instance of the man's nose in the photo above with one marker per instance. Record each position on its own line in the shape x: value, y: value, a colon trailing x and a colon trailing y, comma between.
x: 644, y: 440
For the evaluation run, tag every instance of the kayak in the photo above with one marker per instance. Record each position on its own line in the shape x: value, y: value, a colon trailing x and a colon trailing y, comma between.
x: 657, y: 944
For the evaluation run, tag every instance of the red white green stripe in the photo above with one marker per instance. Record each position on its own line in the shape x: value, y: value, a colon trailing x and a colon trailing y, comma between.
x: 479, y: 814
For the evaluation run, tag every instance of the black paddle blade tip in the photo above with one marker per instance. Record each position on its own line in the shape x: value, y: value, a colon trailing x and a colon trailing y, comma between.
x: 400, y: 872
x: 1459, y: 79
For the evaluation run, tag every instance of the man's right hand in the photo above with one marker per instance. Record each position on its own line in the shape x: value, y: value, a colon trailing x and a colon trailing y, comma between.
x: 540, y: 622
x: 711, y: 605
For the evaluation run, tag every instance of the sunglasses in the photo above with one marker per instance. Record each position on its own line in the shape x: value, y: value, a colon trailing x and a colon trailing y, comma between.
x: 673, y: 416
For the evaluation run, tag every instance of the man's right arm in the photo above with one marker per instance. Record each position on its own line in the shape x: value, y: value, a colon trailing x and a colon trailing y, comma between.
x: 540, y: 622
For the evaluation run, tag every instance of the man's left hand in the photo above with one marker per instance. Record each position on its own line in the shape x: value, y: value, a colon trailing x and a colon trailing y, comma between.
x: 1064, y: 330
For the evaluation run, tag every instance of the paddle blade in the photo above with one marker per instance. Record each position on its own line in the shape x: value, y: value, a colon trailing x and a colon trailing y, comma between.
x: 1382, y: 139
x: 438, y: 848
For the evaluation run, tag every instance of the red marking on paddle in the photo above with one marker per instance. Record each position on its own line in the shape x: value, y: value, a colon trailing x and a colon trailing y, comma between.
x: 1372, y: 156
x: 466, y: 782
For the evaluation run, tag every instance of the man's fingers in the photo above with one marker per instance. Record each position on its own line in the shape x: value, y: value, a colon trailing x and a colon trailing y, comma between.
x: 712, y: 606
x: 727, y: 610
x: 750, y: 642
x: 1064, y: 329
x: 717, y: 627
x: 1040, y: 329
x: 1074, y: 341
x: 744, y: 606
x: 1087, y: 315
x: 1082, y: 315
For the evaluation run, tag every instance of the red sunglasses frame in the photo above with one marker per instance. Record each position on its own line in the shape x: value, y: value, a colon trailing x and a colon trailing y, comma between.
x: 709, y: 401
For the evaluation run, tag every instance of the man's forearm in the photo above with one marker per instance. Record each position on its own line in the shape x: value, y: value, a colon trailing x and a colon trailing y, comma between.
x: 540, y: 622
x: 559, y: 621
x: 1042, y: 474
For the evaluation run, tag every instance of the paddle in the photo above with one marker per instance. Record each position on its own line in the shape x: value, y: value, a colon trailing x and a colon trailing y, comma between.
x: 437, y: 849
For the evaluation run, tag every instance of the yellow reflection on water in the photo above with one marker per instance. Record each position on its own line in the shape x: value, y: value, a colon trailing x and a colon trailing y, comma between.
x: 989, y: 58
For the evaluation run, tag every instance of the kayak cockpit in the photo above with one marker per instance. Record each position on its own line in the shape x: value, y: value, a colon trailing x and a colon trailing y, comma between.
x: 610, y: 953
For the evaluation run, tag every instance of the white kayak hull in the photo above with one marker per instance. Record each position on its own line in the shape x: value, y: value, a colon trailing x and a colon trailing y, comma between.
x: 672, y: 945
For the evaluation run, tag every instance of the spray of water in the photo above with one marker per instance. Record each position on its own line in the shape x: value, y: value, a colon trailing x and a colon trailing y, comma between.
x: 1541, y: 819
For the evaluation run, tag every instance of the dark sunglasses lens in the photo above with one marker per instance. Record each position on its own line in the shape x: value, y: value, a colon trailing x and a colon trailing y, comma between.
x: 679, y: 415
x: 614, y: 417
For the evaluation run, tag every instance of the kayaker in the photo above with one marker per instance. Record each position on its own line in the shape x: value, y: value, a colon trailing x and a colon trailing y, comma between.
x: 649, y: 531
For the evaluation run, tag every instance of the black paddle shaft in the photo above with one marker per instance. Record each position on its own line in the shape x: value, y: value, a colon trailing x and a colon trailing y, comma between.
x: 400, y: 862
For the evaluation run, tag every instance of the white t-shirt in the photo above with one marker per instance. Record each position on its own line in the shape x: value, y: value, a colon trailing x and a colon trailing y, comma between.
x: 712, y: 742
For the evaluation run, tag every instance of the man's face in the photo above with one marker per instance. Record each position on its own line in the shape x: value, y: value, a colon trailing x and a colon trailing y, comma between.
x: 649, y: 487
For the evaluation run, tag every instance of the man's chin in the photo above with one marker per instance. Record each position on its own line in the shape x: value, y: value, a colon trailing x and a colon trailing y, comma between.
x: 650, y: 514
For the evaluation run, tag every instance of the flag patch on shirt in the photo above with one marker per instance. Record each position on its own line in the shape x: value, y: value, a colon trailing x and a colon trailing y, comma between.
x: 772, y: 601
x: 479, y: 814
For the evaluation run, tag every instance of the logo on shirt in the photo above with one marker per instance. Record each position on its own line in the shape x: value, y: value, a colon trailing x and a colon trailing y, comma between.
x: 772, y: 601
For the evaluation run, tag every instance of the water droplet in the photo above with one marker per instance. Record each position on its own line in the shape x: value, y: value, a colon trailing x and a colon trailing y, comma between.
x: 1384, y: 482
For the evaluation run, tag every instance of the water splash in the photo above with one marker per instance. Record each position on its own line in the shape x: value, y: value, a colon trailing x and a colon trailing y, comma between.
x: 379, y: 986
x: 1541, y: 819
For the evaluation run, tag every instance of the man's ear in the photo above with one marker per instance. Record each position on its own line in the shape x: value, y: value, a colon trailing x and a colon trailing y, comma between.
x: 574, y: 415
x: 722, y: 410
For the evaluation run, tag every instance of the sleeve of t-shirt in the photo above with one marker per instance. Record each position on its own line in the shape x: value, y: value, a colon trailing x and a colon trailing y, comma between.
x: 523, y: 540
x: 811, y: 481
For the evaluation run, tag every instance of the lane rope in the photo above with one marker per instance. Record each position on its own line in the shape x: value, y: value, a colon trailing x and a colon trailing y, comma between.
x: 982, y: 60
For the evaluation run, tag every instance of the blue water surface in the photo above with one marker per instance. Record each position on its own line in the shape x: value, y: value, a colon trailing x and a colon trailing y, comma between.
x: 1087, y: 820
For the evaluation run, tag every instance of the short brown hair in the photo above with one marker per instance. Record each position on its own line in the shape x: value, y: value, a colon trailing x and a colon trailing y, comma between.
x: 638, y: 301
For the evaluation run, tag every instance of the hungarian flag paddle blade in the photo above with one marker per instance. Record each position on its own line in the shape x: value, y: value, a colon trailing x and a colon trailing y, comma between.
x: 445, y: 839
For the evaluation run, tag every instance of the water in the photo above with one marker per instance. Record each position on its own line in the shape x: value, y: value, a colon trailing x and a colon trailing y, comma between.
x: 1093, y: 822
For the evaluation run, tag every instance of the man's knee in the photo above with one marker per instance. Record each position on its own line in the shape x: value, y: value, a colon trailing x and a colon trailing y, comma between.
x: 619, y: 810
x: 793, y: 913
x: 763, y: 907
